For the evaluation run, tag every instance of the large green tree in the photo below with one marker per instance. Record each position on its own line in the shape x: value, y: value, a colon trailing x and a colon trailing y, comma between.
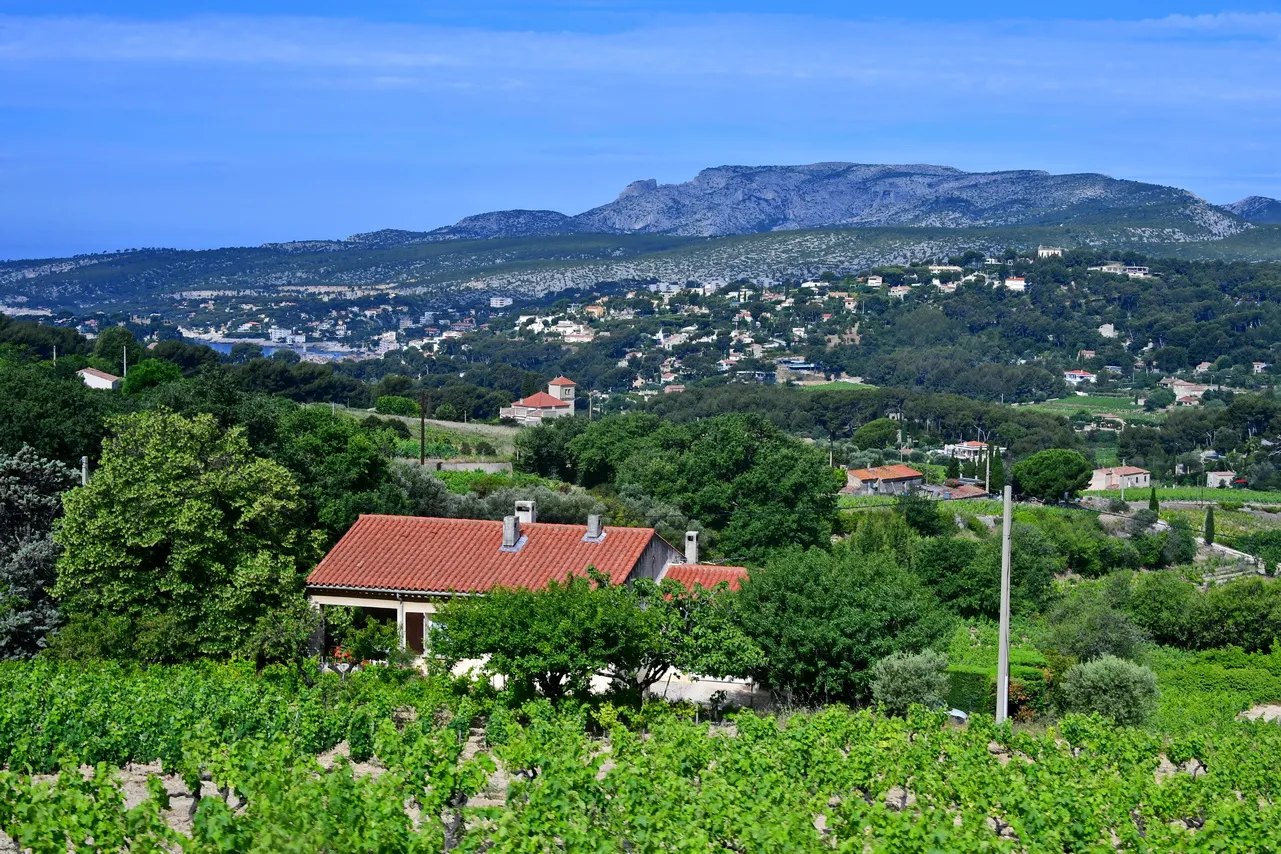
x: 183, y: 537
x: 822, y: 619
x: 745, y: 479
x: 1052, y: 474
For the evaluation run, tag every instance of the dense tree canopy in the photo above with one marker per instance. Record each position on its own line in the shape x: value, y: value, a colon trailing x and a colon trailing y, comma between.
x: 182, y: 536
x: 822, y: 619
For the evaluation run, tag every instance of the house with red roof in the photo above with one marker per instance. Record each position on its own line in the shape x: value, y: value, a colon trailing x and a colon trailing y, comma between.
x: 1120, y: 477
x: 409, y: 565
x: 882, y: 480
x: 556, y: 402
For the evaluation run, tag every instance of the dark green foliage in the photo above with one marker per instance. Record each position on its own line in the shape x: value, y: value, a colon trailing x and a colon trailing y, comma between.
x: 953, y: 470
x: 922, y: 514
x: 755, y: 487
x: 1086, y: 626
x: 876, y: 434
x: 823, y: 619
x: 53, y: 412
x: 1208, y: 531
x: 393, y: 405
x: 30, y: 501
x: 38, y: 340
x: 1153, y: 504
x: 114, y: 346
x: 1052, y: 475
x: 1245, y: 613
x: 149, y: 374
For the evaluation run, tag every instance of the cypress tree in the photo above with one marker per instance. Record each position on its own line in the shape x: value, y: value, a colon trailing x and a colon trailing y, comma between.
x: 953, y: 468
x: 1153, y: 505
x: 998, y: 473
x: 1209, y: 525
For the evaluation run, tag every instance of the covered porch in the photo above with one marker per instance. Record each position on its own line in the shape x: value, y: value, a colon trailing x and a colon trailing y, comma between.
x: 413, y: 616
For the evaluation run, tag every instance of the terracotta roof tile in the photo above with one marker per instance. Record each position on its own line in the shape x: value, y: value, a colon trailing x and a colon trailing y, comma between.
x: 706, y: 575
x: 1124, y: 470
x: 542, y: 400
x: 562, y: 381
x: 428, y: 554
x: 894, y: 472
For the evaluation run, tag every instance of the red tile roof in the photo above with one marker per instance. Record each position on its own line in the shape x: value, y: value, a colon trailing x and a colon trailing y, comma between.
x: 562, y: 381
x: 542, y: 400
x: 433, y: 555
x: 894, y: 472
x: 706, y: 575
x: 969, y: 490
x: 1124, y: 470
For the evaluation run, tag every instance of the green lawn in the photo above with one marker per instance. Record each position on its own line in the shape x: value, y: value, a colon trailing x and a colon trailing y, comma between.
x: 836, y: 385
x: 1122, y: 407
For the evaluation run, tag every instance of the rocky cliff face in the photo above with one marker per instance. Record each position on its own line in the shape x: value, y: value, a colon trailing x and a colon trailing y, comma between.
x: 750, y: 199
x: 1259, y: 210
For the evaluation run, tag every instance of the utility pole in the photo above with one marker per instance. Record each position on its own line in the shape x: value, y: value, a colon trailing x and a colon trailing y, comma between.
x: 422, y: 427
x: 84, y: 471
x: 1003, y: 651
x: 124, y: 360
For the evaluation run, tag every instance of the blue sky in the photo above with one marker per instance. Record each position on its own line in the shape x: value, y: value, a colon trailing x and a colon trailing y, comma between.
x: 227, y: 122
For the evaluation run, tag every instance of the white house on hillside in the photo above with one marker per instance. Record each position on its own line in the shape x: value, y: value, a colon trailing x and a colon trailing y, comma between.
x: 1078, y: 377
x: 1121, y: 477
x: 95, y: 378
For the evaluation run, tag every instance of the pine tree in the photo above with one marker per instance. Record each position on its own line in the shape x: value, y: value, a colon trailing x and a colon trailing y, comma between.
x: 1153, y: 505
x: 1209, y: 525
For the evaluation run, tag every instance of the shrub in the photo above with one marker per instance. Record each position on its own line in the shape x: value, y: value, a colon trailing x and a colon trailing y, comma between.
x: 390, y: 404
x: 904, y: 679
x: 1113, y: 687
x: 1086, y: 627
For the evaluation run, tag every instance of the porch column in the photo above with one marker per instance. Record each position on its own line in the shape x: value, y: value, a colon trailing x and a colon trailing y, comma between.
x: 400, y: 622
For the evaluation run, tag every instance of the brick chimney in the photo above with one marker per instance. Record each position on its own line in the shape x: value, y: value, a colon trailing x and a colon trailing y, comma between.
x: 511, y: 531
x: 691, y: 546
x: 526, y: 512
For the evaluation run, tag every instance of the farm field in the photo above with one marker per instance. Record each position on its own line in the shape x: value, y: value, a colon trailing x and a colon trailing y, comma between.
x: 396, y: 762
x: 1193, y: 493
x: 1122, y: 407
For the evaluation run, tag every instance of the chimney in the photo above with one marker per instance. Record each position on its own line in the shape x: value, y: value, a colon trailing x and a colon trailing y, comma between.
x: 691, y: 546
x: 511, y: 532
x: 594, y: 529
x: 526, y: 512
